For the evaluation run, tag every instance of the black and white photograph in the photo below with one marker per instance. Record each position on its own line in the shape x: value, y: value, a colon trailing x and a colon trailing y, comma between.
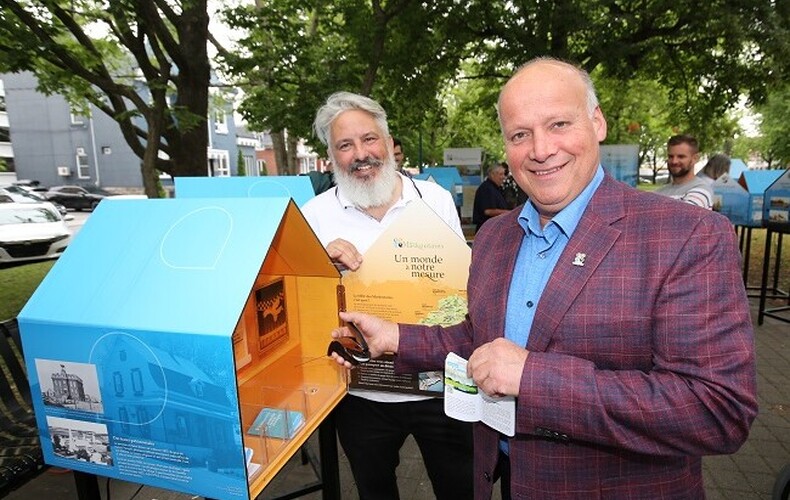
x: 70, y: 385
x: 79, y: 440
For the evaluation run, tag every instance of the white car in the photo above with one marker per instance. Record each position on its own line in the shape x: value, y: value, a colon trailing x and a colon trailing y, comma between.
x: 31, y: 232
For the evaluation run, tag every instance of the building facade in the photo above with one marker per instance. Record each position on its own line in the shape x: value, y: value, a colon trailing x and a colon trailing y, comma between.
x: 56, y: 146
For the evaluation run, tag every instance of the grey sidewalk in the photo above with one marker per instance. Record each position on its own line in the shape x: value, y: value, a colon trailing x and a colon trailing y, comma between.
x: 747, y: 474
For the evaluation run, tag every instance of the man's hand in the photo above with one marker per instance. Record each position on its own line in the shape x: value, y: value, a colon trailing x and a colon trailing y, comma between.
x: 345, y: 253
x: 496, y: 367
x: 381, y: 336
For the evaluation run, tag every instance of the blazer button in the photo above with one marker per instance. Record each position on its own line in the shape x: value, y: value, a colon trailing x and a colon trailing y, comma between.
x: 487, y: 476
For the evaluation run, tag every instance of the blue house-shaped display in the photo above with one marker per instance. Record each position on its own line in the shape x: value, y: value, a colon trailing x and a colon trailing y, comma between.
x: 167, y: 327
x: 776, y: 206
x: 732, y: 200
x: 449, y: 179
x: 756, y: 182
x: 297, y: 187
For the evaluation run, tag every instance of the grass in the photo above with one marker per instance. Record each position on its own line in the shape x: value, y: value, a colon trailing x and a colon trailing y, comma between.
x: 756, y: 263
x: 17, y: 284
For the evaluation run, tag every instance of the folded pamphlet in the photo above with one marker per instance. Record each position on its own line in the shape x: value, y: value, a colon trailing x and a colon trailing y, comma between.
x: 277, y: 423
x: 464, y: 401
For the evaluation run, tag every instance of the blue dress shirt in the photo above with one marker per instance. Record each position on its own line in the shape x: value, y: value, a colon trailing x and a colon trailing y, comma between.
x: 540, y: 250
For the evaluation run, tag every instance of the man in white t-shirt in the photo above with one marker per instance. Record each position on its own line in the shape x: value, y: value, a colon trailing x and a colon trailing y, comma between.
x: 369, y: 195
x: 682, y: 155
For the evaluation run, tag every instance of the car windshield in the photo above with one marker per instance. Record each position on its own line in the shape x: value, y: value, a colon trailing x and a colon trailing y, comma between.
x: 25, y: 215
x: 21, y: 194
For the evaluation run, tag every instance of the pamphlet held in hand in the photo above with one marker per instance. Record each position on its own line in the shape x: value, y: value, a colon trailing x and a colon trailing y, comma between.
x: 464, y: 401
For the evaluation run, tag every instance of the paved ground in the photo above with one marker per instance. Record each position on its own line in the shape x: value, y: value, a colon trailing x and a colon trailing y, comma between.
x: 747, y: 474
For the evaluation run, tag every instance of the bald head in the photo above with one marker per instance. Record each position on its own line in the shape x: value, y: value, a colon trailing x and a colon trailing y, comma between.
x: 551, y: 125
x: 559, y: 67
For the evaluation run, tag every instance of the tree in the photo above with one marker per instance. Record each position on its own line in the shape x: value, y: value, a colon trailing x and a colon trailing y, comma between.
x: 241, y: 170
x: 296, y: 53
x: 143, y: 63
x: 706, y: 55
x: 775, y: 139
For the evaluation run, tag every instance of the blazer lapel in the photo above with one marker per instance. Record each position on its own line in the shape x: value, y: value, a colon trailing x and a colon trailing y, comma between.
x: 588, y: 246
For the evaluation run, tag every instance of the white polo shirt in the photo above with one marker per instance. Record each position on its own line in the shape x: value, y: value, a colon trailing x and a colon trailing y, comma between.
x: 331, y: 215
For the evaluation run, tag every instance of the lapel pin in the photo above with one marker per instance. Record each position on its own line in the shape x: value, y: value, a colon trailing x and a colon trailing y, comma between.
x: 579, y: 259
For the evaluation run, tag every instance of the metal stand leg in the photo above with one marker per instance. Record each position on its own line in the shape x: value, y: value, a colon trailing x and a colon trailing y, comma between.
x: 87, y: 486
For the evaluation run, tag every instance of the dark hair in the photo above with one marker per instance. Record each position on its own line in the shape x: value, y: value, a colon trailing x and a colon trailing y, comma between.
x: 396, y: 142
x: 676, y: 140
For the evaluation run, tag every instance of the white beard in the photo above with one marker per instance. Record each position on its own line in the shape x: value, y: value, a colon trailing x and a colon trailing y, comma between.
x: 370, y: 192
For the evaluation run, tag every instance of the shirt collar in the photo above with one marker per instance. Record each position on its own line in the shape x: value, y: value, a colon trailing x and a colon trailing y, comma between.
x: 407, y: 195
x: 568, y: 218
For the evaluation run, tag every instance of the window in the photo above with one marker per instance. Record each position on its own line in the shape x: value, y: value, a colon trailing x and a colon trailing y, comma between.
x: 181, y: 426
x: 137, y: 382
x: 262, y: 167
x: 144, y: 421
x: 76, y: 118
x: 124, y: 417
x: 249, y: 161
x: 307, y: 164
x: 220, y: 123
x: 5, y: 135
x: 83, y: 168
x: 117, y: 382
x: 218, y: 163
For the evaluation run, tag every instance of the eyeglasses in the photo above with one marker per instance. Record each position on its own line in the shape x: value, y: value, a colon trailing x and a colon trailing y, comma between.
x: 353, y: 349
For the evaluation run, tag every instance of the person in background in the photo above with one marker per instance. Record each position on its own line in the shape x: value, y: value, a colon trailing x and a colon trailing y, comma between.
x: 489, y: 198
x: 514, y: 195
x: 682, y: 155
x: 397, y: 152
x: 718, y: 165
x: 321, y: 181
x: 617, y: 318
x: 369, y: 195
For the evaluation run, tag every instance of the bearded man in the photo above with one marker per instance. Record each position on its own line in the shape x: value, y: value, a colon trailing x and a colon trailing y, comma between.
x: 682, y: 155
x: 369, y: 195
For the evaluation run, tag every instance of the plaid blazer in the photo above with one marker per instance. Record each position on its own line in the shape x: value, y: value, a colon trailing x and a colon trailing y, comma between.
x: 641, y: 359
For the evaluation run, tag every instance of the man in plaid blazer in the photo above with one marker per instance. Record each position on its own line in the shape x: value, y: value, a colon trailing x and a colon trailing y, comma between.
x: 617, y: 318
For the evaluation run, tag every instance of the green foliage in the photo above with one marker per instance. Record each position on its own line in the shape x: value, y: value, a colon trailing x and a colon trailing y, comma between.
x: 695, y: 61
x: 131, y: 60
x: 241, y: 170
x: 296, y: 53
x: 775, y: 143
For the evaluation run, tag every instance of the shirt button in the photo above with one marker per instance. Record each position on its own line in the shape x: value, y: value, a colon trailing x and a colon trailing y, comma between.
x: 530, y: 303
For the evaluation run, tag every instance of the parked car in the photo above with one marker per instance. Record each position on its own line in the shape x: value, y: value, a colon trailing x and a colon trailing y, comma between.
x: 74, y: 197
x: 30, y: 185
x: 20, y: 194
x: 31, y: 232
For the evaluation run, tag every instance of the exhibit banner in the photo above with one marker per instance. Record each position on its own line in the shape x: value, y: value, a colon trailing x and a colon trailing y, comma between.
x: 621, y: 161
x: 415, y: 272
x: 777, y: 201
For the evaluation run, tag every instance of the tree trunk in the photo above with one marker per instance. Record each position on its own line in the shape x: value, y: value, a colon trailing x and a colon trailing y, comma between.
x: 280, y: 157
x: 148, y: 169
x: 190, y: 145
x: 293, y: 162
